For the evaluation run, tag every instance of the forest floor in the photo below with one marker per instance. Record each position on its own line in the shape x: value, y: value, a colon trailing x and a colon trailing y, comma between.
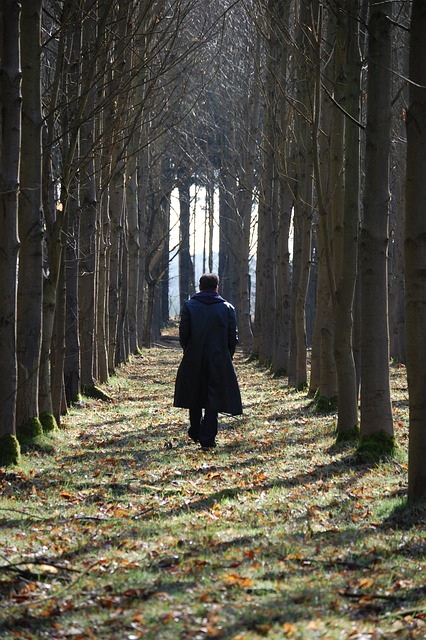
x: 122, y: 528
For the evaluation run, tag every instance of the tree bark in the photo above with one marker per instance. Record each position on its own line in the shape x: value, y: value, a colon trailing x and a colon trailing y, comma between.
x: 89, y: 232
x: 376, y: 411
x: 185, y: 262
x: 265, y: 307
x: 415, y: 255
x: 303, y: 210
x: 346, y: 272
x: 10, y: 146
x: 30, y: 284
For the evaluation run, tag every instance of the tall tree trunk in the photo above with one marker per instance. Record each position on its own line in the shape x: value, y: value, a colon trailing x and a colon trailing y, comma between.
x: 303, y: 210
x: 123, y: 350
x: 397, y: 287
x: 245, y: 205
x: 102, y: 306
x: 88, y: 269
x: 116, y: 217
x: 283, y: 322
x: 415, y: 255
x: 58, y: 343
x: 376, y: 411
x: 133, y: 248
x: 30, y: 284
x: 89, y: 233
x: 143, y: 179
x: 71, y: 364
x: 10, y: 145
x: 117, y: 197
x: 346, y: 275
x: 400, y: 51
x: 226, y: 195
x: 285, y: 167
x: 328, y: 163
x: 53, y: 214
x: 265, y: 307
x: 185, y: 262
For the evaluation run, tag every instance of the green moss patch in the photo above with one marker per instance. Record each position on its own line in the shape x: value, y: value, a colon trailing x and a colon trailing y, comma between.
x: 10, y: 450
x: 29, y: 430
x: 377, y: 446
x: 48, y: 422
x: 93, y: 391
x: 348, y: 435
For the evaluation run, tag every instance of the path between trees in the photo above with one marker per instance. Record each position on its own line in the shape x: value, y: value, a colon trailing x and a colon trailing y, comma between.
x: 125, y: 529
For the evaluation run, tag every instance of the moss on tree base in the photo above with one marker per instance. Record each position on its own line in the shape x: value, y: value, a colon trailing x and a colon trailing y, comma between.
x: 302, y: 386
x: 92, y: 391
x: 29, y: 430
x: 10, y: 450
x: 280, y: 373
x: 376, y: 446
x: 348, y: 435
x: 324, y: 404
x: 48, y: 422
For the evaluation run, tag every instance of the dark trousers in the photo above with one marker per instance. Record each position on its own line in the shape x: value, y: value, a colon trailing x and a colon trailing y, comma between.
x: 204, y: 427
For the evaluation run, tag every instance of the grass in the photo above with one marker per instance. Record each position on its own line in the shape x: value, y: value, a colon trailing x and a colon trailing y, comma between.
x: 127, y: 530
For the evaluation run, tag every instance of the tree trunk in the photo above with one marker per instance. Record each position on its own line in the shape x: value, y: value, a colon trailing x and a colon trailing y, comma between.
x: 230, y: 229
x: 285, y: 166
x: 415, y: 255
x: 376, y: 411
x: 303, y: 210
x: 71, y: 365
x: 133, y: 249
x: 53, y: 214
x: 58, y: 344
x: 400, y: 50
x: 283, y: 322
x: 102, y: 307
x: 265, y: 307
x: 89, y: 233
x: 10, y: 144
x: 143, y: 177
x: 30, y: 284
x: 346, y: 272
x: 185, y: 262
x: 71, y: 204
x: 123, y: 348
x: 116, y: 217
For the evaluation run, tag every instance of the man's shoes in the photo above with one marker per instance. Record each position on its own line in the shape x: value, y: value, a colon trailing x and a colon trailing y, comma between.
x: 193, y: 435
x: 208, y: 446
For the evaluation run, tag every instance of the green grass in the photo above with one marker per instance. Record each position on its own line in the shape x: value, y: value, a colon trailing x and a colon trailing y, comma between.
x: 127, y: 530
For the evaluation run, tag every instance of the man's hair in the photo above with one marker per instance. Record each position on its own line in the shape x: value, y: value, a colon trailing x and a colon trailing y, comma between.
x: 209, y: 281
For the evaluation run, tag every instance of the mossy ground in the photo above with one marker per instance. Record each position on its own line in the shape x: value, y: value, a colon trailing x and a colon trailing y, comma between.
x: 127, y: 530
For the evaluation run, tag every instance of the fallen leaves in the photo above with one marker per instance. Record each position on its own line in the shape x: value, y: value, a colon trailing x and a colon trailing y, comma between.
x: 278, y: 536
x: 235, y: 580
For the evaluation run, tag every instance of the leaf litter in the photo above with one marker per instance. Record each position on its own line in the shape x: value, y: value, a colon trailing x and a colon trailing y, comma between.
x: 129, y: 530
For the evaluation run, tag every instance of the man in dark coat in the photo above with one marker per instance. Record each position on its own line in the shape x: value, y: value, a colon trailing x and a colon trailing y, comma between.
x: 206, y: 377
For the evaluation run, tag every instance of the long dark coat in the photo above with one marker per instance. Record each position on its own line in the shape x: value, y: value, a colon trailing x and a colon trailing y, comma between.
x: 208, y: 336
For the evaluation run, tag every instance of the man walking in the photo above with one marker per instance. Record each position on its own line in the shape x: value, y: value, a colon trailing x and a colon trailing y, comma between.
x: 206, y: 377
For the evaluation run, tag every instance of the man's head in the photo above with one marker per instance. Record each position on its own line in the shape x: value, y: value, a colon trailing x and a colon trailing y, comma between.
x: 209, y: 281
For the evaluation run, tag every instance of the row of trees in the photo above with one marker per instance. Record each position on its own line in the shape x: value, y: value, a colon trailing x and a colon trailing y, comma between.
x: 309, y: 114
x: 90, y: 94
